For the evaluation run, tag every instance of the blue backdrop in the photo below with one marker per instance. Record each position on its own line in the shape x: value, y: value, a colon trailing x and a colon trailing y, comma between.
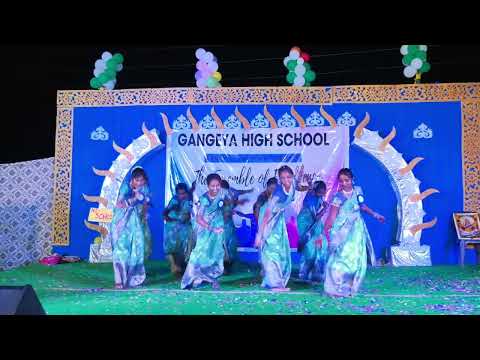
x: 441, y: 169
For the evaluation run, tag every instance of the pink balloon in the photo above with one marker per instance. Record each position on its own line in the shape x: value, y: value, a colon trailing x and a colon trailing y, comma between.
x: 203, y: 67
x: 198, y: 75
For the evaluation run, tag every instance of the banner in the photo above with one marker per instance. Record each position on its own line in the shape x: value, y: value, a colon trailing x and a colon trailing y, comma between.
x: 247, y: 159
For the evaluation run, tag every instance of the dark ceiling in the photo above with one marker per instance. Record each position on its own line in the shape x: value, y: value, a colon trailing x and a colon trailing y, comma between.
x: 32, y: 75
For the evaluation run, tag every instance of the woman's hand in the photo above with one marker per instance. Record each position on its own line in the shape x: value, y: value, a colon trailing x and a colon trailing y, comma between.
x: 379, y: 217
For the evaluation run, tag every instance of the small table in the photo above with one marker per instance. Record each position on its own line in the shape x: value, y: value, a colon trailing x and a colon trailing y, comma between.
x: 464, y: 243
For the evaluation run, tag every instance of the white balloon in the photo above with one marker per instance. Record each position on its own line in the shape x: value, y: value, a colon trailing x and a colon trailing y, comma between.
x: 423, y: 47
x: 212, y: 66
x: 106, y: 56
x: 294, y: 54
x: 416, y: 63
x: 119, y: 67
x: 202, y: 82
x: 109, y: 85
x: 300, y: 70
x: 299, y: 81
x: 100, y: 64
x: 404, y: 50
x: 286, y: 60
x: 409, y: 71
x: 199, y: 53
x: 97, y: 72
x: 300, y: 61
x: 208, y: 57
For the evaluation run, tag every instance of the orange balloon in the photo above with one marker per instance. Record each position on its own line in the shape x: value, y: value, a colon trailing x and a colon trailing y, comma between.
x: 296, y: 48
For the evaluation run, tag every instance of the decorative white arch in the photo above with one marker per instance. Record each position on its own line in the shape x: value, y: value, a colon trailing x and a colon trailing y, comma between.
x: 114, y: 178
x: 410, y: 213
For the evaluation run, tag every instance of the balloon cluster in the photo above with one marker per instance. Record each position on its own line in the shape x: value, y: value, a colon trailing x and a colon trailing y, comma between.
x: 300, y: 72
x: 415, y: 60
x: 106, y: 70
x: 207, y: 66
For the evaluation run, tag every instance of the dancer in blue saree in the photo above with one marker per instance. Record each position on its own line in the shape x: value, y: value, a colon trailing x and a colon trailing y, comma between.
x: 310, y: 228
x: 129, y: 231
x: 272, y: 237
x: 349, y: 239
x: 230, y: 233
x: 178, y: 228
x: 206, y: 260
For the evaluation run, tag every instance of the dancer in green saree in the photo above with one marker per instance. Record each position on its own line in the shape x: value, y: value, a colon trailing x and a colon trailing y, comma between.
x: 178, y: 228
x: 349, y: 239
x: 272, y: 237
x: 129, y: 232
x: 206, y: 260
x: 230, y: 233
x: 310, y: 228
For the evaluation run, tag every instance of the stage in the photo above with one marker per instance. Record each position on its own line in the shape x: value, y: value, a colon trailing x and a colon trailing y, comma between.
x: 87, y: 289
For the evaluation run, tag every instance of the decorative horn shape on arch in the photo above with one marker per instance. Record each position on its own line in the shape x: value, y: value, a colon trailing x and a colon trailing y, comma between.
x: 100, y: 229
x: 195, y: 126
x: 217, y: 119
x: 423, y: 195
x: 124, y: 152
x: 387, y: 140
x: 415, y: 228
x: 243, y: 119
x: 108, y: 173
x: 328, y: 117
x: 271, y: 119
x: 166, y: 124
x: 359, y: 130
x: 410, y: 166
x: 297, y: 117
x: 98, y: 199
x: 152, y: 139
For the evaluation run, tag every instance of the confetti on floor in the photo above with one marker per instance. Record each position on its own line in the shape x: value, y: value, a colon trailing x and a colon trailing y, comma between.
x: 87, y: 289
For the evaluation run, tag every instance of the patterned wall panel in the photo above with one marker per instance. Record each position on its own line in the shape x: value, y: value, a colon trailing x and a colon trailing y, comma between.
x: 26, y: 202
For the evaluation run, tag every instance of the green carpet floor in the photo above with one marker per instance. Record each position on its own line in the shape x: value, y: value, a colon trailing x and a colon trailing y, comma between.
x: 83, y: 288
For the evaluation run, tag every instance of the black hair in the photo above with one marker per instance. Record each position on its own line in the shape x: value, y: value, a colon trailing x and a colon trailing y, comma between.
x: 319, y: 185
x: 224, y: 184
x: 285, y: 168
x: 272, y: 181
x: 139, y: 172
x: 181, y: 186
x: 212, y: 177
x: 346, y: 172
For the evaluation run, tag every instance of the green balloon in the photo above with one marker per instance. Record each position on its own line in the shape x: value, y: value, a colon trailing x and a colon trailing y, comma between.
x: 422, y: 55
x: 111, y: 74
x: 291, y: 77
x: 309, y: 76
x: 412, y: 48
x: 94, y: 83
x: 307, y: 66
x: 407, y: 59
x: 111, y: 63
x: 118, y: 58
x: 291, y: 65
x: 103, y: 78
x: 425, y: 67
x: 212, y: 82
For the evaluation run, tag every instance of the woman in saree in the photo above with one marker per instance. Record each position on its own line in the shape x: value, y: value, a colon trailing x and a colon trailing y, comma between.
x: 178, y: 228
x: 129, y: 232
x: 349, y: 239
x: 310, y: 227
x: 230, y: 233
x: 206, y: 260
x: 272, y: 237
